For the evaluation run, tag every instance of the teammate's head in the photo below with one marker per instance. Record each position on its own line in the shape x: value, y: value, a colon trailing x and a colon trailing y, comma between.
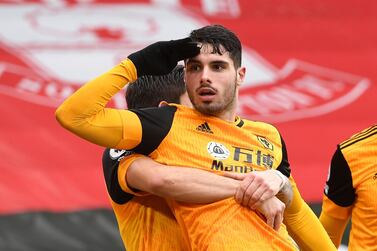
x: 149, y: 91
x: 214, y: 75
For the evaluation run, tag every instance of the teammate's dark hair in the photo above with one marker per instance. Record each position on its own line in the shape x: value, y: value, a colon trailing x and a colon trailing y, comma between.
x: 149, y: 91
x: 218, y: 35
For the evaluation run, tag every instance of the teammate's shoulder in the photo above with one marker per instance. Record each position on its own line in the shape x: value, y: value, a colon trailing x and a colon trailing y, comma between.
x: 363, y: 137
x: 180, y: 107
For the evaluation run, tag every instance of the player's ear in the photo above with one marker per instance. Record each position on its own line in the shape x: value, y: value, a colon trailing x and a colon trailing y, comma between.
x: 184, y: 76
x: 162, y: 103
x: 240, y: 75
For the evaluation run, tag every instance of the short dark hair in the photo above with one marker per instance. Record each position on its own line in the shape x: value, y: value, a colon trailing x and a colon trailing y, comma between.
x: 149, y: 91
x: 217, y: 35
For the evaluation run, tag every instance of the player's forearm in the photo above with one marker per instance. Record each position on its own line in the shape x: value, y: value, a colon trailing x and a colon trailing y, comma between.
x: 334, y: 217
x: 197, y: 186
x: 182, y: 183
x: 302, y: 223
x: 301, y: 227
x: 83, y: 113
x: 334, y: 227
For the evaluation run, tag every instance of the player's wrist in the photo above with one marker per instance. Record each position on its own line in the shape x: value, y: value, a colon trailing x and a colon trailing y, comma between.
x: 282, y: 177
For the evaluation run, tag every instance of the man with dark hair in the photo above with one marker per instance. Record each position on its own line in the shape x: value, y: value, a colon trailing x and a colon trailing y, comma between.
x: 143, y: 220
x: 149, y: 91
x: 210, y: 136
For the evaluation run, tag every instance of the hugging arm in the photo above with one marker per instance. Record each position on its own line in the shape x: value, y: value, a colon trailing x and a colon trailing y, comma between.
x: 186, y: 184
x: 180, y: 183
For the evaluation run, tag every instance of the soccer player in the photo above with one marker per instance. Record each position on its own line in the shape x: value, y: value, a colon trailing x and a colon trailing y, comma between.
x: 210, y: 136
x: 144, y: 220
x: 351, y: 191
x: 191, y: 185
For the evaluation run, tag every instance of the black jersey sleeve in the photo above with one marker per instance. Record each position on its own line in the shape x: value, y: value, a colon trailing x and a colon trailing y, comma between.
x: 339, y: 188
x: 156, y: 124
x: 284, y: 166
x: 110, y: 165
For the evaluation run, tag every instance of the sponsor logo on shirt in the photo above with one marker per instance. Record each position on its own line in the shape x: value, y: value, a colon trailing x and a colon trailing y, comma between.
x: 204, y: 128
x: 239, y: 159
x: 117, y: 154
x: 265, y: 143
x: 218, y: 151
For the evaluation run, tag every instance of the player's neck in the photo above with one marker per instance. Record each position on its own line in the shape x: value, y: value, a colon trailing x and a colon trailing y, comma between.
x: 229, y: 116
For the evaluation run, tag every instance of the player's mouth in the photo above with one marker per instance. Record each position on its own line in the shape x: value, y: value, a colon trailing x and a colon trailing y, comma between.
x: 206, y: 93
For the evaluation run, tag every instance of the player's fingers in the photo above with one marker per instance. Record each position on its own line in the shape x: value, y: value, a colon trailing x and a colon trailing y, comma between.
x: 277, y: 221
x: 266, y: 194
x: 240, y: 192
x: 248, y: 189
x: 236, y: 176
x: 249, y: 196
x: 270, y: 221
x: 239, y: 195
x: 256, y: 196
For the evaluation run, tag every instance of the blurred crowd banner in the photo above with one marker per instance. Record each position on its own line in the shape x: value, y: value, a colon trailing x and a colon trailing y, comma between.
x: 311, y: 71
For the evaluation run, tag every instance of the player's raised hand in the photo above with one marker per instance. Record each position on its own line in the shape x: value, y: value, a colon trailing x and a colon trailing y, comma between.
x: 160, y: 58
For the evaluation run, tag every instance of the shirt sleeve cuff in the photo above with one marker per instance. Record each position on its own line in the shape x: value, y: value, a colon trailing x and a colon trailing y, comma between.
x: 122, y: 175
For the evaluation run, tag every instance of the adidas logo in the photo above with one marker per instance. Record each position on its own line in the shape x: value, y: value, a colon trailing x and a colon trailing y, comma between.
x: 204, y: 128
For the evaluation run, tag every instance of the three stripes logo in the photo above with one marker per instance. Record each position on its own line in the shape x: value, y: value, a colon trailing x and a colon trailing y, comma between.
x: 204, y: 128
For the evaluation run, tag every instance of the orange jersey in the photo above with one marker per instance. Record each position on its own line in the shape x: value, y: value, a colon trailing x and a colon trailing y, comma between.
x: 145, y: 222
x: 180, y: 136
x: 351, y: 188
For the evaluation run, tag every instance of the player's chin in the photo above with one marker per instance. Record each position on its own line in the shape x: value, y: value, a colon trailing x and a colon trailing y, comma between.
x: 208, y: 108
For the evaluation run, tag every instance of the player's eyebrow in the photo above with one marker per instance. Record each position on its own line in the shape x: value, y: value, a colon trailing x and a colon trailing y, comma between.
x: 223, y: 62
x: 191, y: 60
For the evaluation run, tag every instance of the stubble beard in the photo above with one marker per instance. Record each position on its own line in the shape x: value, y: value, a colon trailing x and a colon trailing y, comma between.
x: 216, y: 108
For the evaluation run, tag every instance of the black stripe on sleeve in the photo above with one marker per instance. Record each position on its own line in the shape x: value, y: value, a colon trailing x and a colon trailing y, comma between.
x: 156, y: 124
x: 110, y: 167
x: 339, y: 186
x: 284, y: 166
